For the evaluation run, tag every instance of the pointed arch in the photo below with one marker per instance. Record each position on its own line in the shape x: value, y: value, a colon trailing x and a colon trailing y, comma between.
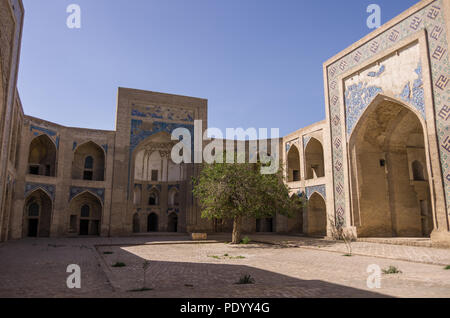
x: 153, y: 196
x: 317, y: 215
x: 383, y: 146
x: 42, y: 156
x: 293, y: 164
x: 38, y: 214
x: 89, y: 162
x: 314, y: 159
x: 85, y: 214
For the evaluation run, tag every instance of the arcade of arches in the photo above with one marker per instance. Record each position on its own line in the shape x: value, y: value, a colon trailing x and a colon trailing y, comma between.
x: 389, y: 176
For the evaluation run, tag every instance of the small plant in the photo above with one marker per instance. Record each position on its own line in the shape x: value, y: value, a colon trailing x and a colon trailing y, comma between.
x: 225, y: 255
x: 348, y: 255
x: 447, y: 267
x: 338, y: 233
x: 214, y: 256
x: 246, y: 279
x: 119, y: 264
x: 392, y: 270
x: 108, y: 253
x: 245, y: 240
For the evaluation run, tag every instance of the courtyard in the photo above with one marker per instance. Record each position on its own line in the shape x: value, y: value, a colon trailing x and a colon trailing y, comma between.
x: 280, y: 266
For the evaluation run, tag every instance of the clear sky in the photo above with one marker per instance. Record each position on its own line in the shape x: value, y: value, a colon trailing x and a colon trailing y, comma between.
x: 258, y: 62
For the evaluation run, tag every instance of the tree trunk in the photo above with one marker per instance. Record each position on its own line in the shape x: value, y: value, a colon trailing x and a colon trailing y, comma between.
x: 236, y: 238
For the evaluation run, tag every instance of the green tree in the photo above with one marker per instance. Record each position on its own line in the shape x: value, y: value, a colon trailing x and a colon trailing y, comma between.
x: 238, y: 190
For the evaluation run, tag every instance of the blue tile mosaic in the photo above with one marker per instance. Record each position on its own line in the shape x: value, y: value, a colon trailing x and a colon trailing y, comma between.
x: 48, y: 188
x: 74, y: 191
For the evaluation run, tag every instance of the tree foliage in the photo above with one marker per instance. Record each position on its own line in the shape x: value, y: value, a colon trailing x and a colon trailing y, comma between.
x: 237, y: 190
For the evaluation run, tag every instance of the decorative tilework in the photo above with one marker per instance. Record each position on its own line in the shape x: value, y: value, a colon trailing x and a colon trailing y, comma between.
x: 48, y: 188
x: 415, y: 96
x: 164, y: 113
x: 290, y: 143
x: 36, y: 130
x: 318, y: 188
x: 138, y: 134
x: 105, y: 147
x: 378, y: 73
x: 429, y: 18
x: 357, y: 98
x: 74, y: 191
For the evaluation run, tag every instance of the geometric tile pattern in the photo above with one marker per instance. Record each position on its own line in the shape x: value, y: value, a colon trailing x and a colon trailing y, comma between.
x: 415, y: 95
x: 357, y: 98
x: 163, y: 113
x: 431, y: 19
x: 290, y: 143
x: 50, y: 133
x: 74, y: 191
x: 317, y: 188
x: 48, y: 188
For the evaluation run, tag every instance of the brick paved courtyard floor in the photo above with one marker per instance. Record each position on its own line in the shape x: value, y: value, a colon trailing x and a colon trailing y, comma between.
x: 287, y: 267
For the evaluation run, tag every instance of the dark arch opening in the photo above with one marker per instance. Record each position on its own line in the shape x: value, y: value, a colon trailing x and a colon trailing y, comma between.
x: 417, y: 169
x: 89, y: 162
x: 314, y: 160
x: 42, y: 157
x: 317, y: 215
x: 38, y: 214
x: 293, y: 162
x: 152, y: 223
x: 172, y: 224
x: 386, y: 144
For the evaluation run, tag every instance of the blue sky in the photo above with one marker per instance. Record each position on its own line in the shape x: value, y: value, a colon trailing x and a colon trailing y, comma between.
x: 258, y: 62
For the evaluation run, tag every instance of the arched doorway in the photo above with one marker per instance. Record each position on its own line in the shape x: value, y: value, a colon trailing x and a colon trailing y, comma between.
x: 136, y: 223
x: 317, y: 215
x: 42, y: 157
x: 172, y: 224
x: 390, y: 191
x: 89, y: 162
x: 38, y: 212
x: 314, y: 161
x: 293, y: 164
x: 152, y: 222
x: 85, y: 215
